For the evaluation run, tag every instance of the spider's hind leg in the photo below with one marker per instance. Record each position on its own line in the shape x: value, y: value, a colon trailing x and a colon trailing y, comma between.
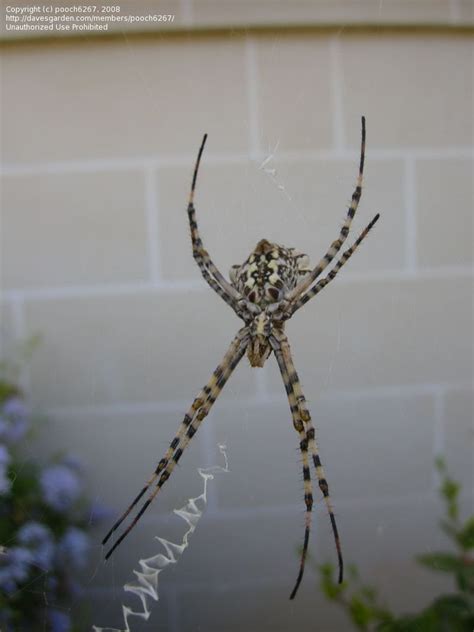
x: 191, y: 422
x: 322, y: 482
x: 301, y: 430
x: 162, y: 463
x: 292, y: 384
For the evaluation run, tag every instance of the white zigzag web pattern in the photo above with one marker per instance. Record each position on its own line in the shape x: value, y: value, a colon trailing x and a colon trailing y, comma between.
x: 146, y: 586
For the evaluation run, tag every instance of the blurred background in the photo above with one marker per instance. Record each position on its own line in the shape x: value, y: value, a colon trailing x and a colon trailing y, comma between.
x: 100, y: 131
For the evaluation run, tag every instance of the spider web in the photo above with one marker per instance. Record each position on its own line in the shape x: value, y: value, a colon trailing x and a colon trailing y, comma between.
x: 146, y: 586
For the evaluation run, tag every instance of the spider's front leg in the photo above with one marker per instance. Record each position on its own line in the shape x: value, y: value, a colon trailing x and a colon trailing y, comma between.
x: 337, y: 244
x: 321, y: 284
x: 188, y: 428
x: 209, y: 270
x: 299, y: 410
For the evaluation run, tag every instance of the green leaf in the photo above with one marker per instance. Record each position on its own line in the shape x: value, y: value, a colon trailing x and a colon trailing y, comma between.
x: 7, y: 390
x: 454, y: 612
x: 446, y: 562
x: 452, y: 604
x: 465, y: 577
x: 328, y: 585
x: 450, y: 491
x: 465, y: 536
x: 448, y: 613
x: 360, y: 612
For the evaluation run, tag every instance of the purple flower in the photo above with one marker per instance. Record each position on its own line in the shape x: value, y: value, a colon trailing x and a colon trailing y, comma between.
x: 73, y: 547
x: 4, y: 455
x: 5, y: 575
x: 5, y: 482
x: 52, y: 583
x: 20, y: 562
x: 13, y: 419
x: 60, y: 486
x: 7, y: 583
x: 38, y: 539
x: 60, y: 621
x: 15, y: 566
x: 15, y: 408
x: 33, y: 533
x: 16, y: 431
x: 43, y: 556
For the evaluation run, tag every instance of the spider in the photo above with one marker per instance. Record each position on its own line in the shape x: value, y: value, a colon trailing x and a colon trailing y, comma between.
x: 265, y: 291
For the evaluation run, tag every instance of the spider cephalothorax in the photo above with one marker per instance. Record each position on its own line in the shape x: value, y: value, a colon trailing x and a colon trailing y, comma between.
x: 265, y: 291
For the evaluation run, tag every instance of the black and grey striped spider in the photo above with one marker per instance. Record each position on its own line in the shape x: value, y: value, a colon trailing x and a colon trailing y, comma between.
x: 265, y: 291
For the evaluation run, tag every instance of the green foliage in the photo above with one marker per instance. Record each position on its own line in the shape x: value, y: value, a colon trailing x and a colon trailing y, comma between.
x: 448, y: 613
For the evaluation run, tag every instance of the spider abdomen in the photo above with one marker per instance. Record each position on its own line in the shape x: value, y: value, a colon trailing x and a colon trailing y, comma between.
x: 269, y: 272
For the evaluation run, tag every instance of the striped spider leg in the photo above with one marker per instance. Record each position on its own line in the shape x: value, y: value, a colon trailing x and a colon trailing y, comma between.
x: 192, y: 420
x: 203, y: 402
x: 321, y: 284
x: 299, y: 410
x: 264, y: 291
x: 337, y: 244
x: 303, y: 425
x: 301, y: 429
x: 208, y: 269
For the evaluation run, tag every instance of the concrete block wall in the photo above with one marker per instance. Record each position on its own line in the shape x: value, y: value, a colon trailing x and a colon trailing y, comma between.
x: 99, y: 142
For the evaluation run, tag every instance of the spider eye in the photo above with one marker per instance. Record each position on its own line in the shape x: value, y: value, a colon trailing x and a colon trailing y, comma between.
x: 252, y: 297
